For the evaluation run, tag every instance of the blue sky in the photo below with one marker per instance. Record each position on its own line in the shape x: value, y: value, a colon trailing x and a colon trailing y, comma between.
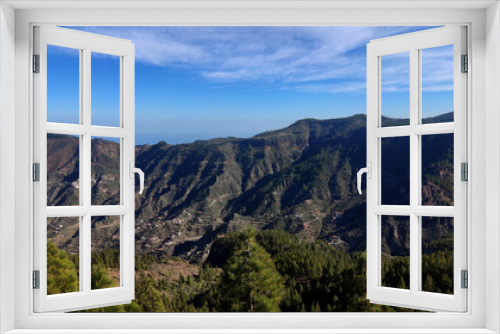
x: 205, y: 82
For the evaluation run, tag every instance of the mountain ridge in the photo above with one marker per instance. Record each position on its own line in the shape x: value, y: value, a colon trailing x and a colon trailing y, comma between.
x: 301, y: 179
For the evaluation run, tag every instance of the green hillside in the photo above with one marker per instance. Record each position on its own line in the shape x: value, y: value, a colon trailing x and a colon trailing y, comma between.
x: 266, y: 271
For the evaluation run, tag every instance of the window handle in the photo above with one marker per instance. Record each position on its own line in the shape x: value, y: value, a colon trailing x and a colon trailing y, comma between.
x: 368, y: 171
x: 139, y: 171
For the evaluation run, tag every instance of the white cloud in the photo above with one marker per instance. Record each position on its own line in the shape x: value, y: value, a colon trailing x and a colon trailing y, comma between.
x: 304, y: 56
x: 343, y: 87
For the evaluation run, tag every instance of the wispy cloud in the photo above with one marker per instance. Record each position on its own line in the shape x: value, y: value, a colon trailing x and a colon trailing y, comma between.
x: 310, y: 59
x: 342, y: 87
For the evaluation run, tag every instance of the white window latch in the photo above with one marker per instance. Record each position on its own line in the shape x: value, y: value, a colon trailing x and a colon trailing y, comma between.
x: 368, y: 171
x: 139, y: 171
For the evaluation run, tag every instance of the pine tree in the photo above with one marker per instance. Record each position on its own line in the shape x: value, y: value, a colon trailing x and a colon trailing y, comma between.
x: 251, y: 282
x: 100, y: 278
x: 62, y: 275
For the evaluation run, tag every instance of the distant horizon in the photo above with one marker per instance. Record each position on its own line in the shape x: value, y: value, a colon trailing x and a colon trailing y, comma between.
x: 199, y: 83
x: 282, y: 128
x: 251, y: 136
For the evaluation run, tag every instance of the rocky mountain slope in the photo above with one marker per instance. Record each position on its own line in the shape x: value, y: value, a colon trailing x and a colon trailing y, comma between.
x: 301, y: 179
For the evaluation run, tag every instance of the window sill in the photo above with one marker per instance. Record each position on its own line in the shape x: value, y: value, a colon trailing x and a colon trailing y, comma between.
x: 251, y: 331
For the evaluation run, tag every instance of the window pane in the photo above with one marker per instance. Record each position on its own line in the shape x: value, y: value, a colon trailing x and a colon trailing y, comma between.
x: 105, y: 171
x: 395, y: 182
x: 105, y: 90
x: 105, y: 252
x: 395, y: 92
x: 63, y: 255
x: 437, y: 254
x: 437, y: 84
x: 437, y: 170
x: 396, y: 252
x: 63, y: 85
x: 63, y: 170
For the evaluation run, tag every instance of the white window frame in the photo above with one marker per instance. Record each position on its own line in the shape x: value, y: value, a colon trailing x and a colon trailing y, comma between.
x: 85, y: 43
x: 483, y: 125
x: 414, y: 43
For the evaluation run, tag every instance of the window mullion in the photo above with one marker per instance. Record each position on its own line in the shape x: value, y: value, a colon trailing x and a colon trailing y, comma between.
x: 418, y: 189
x: 85, y: 252
x: 81, y: 225
x: 86, y: 170
x: 414, y: 170
x: 86, y: 138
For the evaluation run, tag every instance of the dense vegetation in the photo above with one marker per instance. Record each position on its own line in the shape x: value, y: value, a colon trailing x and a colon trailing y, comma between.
x: 62, y: 275
x: 266, y: 271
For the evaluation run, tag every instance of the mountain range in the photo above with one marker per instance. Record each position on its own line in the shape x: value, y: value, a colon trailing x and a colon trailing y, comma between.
x: 301, y: 179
